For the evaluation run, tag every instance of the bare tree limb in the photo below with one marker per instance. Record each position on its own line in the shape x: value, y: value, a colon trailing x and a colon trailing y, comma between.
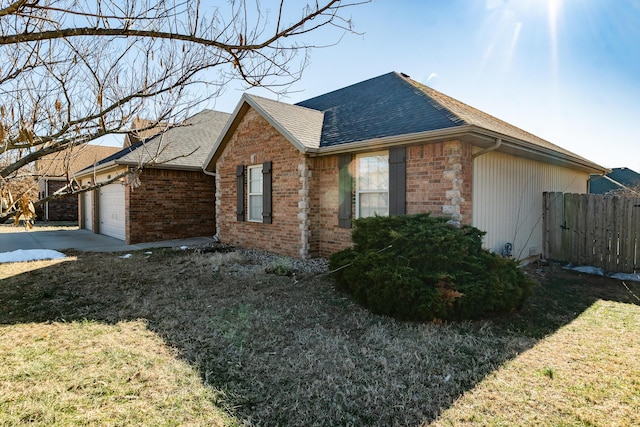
x: 73, y: 71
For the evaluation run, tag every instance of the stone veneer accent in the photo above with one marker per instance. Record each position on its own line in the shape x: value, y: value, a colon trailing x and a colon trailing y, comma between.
x: 304, y: 209
x: 439, y: 180
x: 453, y: 174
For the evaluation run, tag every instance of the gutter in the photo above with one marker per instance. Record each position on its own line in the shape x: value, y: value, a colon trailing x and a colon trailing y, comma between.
x: 487, y: 150
x: 392, y: 141
x: 536, y: 152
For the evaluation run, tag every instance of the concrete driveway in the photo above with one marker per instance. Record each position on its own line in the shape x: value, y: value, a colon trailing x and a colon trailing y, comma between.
x: 59, y: 238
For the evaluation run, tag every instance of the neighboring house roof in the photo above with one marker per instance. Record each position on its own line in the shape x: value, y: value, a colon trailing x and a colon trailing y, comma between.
x: 183, y: 147
x: 625, y: 176
x: 70, y: 161
x: 392, y: 110
x: 142, y: 129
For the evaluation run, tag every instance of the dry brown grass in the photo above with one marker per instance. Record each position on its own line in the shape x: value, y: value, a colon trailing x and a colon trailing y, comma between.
x: 586, y: 374
x: 14, y: 268
x: 278, y: 350
x: 40, y: 226
x: 86, y: 373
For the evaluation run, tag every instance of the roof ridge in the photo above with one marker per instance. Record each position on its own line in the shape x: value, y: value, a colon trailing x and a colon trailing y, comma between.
x: 281, y: 102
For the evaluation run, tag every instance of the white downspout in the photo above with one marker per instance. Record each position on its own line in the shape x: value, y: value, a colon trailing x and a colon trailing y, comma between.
x: 487, y: 150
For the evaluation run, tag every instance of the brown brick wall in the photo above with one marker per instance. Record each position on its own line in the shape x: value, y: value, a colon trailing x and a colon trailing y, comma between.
x: 327, y: 236
x: 65, y: 209
x: 432, y: 170
x: 170, y: 204
x: 438, y: 181
x: 254, y: 142
x: 427, y: 187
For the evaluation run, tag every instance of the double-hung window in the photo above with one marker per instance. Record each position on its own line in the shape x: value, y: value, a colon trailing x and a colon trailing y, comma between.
x: 254, y: 193
x: 372, y: 184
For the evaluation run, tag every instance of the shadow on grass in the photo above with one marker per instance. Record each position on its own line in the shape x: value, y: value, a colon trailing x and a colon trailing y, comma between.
x: 289, y: 350
x: 561, y: 296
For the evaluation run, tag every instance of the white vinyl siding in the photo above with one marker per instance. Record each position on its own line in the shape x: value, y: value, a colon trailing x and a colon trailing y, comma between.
x: 372, y: 184
x: 254, y: 193
x: 507, y: 199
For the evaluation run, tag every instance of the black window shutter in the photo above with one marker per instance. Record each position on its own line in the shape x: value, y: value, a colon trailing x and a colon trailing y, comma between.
x: 266, y: 193
x: 240, y: 193
x: 345, y: 188
x: 397, y: 181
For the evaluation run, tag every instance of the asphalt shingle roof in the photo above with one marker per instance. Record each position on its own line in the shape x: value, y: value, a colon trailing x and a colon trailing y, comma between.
x: 387, y: 106
x: 625, y: 176
x: 379, y: 107
x: 303, y: 124
x: 394, y: 105
x: 60, y: 163
x: 184, y: 146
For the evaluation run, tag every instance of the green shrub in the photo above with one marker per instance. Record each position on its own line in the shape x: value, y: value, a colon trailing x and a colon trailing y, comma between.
x: 418, y: 267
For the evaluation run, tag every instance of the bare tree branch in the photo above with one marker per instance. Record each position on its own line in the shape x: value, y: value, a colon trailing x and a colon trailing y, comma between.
x: 74, y: 71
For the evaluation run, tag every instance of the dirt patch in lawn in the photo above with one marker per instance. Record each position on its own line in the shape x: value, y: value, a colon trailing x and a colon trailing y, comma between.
x: 285, y: 348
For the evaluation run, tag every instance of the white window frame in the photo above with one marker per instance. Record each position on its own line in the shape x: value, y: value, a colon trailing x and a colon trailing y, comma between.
x: 358, y: 191
x: 254, y: 194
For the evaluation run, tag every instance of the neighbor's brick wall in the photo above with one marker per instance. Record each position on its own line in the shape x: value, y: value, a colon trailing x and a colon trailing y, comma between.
x: 254, y: 142
x: 62, y: 209
x: 170, y: 204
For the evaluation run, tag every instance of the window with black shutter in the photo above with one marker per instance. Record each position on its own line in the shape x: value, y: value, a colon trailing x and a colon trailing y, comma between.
x: 345, y: 188
x: 240, y: 193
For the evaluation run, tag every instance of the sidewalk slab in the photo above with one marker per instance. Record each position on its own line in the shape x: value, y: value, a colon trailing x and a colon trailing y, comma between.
x: 81, y: 240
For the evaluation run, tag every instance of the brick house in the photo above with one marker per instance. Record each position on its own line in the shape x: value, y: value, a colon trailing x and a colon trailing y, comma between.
x: 57, y: 170
x: 290, y: 178
x: 172, y: 198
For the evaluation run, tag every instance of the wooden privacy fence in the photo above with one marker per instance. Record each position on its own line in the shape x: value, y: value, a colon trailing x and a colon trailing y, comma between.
x: 591, y: 229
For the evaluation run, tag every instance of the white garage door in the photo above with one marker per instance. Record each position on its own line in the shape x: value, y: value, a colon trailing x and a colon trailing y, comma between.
x: 112, y: 211
x: 87, y: 209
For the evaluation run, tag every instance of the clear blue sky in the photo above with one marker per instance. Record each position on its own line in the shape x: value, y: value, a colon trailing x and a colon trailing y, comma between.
x: 565, y: 70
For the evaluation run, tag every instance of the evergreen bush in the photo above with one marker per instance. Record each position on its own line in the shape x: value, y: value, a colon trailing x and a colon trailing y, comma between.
x: 418, y: 267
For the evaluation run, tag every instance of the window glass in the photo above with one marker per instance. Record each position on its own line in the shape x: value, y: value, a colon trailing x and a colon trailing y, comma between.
x: 372, y: 185
x: 255, y: 193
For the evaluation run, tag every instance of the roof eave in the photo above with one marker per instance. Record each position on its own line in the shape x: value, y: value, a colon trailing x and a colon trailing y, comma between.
x: 511, y: 145
x: 470, y: 133
x: 163, y: 166
x: 92, y: 170
x: 392, y: 141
